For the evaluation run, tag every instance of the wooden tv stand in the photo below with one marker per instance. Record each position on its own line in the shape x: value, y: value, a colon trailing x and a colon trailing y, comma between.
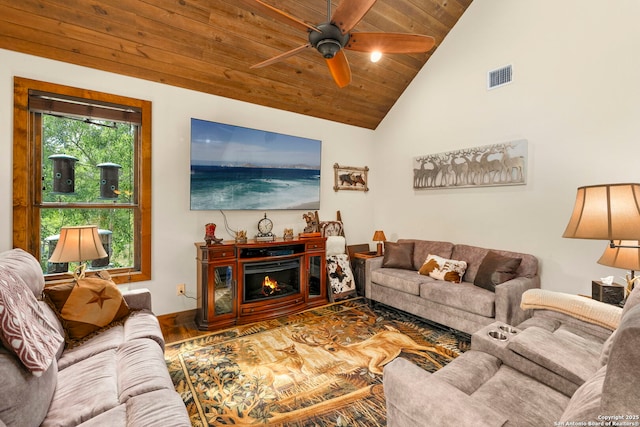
x: 222, y: 297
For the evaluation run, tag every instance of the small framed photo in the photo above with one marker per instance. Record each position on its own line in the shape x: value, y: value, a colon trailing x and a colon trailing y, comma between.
x: 350, y: 178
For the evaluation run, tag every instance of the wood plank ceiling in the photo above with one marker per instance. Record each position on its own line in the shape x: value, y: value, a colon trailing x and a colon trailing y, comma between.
x: 209, y: 46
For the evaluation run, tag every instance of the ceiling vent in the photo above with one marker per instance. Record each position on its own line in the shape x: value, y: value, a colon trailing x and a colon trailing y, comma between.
x: 499, y: 77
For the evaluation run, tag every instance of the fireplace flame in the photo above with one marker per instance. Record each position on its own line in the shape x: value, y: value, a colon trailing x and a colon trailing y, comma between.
x: 269, y: 286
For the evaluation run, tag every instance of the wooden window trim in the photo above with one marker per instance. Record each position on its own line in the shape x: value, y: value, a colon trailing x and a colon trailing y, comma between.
x: 26, y: 188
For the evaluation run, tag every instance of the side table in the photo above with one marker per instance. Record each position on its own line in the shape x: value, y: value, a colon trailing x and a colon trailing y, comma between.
x: 359, y: 269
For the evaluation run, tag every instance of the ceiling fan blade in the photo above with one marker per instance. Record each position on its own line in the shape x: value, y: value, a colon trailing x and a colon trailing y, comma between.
x: 282, y: 56
x: 280, y: 15
x: 340, y: 70
x: 390, y: 42
x: 349, y: 13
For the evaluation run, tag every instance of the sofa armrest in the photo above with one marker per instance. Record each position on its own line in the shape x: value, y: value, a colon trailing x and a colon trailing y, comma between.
x: 576, y: 306
x: 370, y: 265
x: 508, y: 298
x: 138, y: 299
x: 415, y: 397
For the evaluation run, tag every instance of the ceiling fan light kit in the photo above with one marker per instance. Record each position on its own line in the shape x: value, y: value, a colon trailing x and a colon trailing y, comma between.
x: 333, y: 37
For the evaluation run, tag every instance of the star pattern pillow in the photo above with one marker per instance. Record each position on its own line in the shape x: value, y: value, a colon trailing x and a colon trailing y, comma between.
x: 24, y: 326
x: 86, y: 305
x: 440, y: 268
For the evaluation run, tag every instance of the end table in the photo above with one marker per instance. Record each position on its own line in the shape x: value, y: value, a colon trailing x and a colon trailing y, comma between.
x: 359, y: 269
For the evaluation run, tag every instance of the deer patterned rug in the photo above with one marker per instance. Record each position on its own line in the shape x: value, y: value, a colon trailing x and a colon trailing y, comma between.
x: 321, y: 367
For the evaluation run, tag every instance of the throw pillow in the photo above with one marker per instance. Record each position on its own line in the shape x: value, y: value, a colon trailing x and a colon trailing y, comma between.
x: 440, y: 268
x: 496, y: 269
x: 86, y: 305
x: 25, y: 329
x: 398, y: 255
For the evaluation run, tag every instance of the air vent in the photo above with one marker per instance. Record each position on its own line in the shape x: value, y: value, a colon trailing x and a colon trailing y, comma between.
x: 499, y: 77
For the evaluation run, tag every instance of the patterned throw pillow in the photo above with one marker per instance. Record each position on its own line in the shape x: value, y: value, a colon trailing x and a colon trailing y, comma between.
x: 440, y: 268
x: 86, y: 305
x: 25, y: 328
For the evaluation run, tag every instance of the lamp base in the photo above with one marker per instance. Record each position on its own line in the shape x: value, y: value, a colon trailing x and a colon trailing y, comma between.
x: 379, y: 249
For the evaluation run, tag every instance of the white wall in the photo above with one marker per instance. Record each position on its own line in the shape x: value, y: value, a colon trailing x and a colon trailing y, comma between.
x: 174, y: 227
x: 575, y: 98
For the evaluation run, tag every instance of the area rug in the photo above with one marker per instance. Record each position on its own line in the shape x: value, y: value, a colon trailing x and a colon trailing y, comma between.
x: 321, y: 367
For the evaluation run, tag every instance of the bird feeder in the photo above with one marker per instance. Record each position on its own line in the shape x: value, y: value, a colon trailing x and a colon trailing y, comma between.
x: 64, y: 174
x: 109, y: 180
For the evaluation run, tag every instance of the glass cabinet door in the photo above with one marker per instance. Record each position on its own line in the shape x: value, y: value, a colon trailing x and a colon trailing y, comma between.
x: 314, y: 287
x: 224, y: 285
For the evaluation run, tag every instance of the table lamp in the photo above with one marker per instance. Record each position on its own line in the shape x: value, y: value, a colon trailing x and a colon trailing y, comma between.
x: 606, y: 212
x: 626, y: 255
x: 78, y: 244
x: 378, y: 236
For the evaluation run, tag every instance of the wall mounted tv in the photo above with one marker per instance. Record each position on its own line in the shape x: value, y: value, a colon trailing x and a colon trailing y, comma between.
x: 237, y: 168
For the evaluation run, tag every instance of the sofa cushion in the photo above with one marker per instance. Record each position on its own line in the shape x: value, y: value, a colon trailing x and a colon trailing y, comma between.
x: 24, y: 397
x: 464, y: 296
x: 85, y: 389
x: 141, y: 369
x: 407, y: 281
x: 449, y: 270
x: 522, y: 399
x: 25, y: 328
x: 584, y: 405
x: 86, y: 305
x: 620, y: 391
x: 496, y: 269
x: 423, y: 248
x: 398, y: 255
x: 26, y: 266
x: 562, y: 352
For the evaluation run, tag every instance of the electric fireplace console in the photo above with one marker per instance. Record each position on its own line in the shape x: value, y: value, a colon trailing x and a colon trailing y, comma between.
x: 247, y: 282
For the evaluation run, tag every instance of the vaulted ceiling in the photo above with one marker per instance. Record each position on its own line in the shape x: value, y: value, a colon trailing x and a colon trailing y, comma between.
x: 210, y: 45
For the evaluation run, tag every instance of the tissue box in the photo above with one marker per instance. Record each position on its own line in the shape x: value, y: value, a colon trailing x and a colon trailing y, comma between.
x: 611, y: 294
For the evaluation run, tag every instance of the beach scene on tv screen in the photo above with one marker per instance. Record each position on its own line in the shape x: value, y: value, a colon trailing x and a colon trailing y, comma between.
x: 238, y: 168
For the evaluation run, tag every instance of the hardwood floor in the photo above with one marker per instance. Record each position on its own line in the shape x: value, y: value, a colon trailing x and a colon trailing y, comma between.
x: 179, y: 326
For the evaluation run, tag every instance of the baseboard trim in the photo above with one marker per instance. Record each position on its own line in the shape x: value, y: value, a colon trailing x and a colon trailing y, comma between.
x: 181, y: 318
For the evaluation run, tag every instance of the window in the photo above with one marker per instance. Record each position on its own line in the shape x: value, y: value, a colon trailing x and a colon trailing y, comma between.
x: 82, y: 157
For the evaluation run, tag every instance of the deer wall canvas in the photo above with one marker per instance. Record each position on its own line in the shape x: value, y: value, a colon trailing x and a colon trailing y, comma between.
x: 489, y: 165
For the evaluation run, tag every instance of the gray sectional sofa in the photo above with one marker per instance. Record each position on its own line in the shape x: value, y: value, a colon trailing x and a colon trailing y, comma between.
x: 115, y: 377
x: 563, y: 366
x: 394, y: 280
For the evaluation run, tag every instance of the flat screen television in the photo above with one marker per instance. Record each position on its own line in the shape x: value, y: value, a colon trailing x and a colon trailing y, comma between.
x: 238, y: 168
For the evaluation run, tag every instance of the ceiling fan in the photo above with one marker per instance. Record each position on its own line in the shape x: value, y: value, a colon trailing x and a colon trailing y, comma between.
x: 332, y: 37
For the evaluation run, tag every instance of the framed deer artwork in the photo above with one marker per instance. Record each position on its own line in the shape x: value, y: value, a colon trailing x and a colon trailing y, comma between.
x: 350, y: 178
x: 489, y: 165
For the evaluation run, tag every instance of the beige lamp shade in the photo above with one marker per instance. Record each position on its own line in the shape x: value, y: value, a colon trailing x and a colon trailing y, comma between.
x: 627, y: 258
x: 77, y: 244
x: 379, y: 236
x: 606, y: 212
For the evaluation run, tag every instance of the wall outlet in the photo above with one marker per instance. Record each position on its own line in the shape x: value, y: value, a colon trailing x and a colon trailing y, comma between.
x: 180, y: 289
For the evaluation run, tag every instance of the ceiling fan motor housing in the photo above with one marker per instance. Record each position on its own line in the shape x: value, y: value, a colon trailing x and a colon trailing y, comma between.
x: 329, y: 40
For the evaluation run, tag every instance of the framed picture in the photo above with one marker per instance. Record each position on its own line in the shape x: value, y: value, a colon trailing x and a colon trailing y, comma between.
x: 350, y: 178
x: 489, y: 165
